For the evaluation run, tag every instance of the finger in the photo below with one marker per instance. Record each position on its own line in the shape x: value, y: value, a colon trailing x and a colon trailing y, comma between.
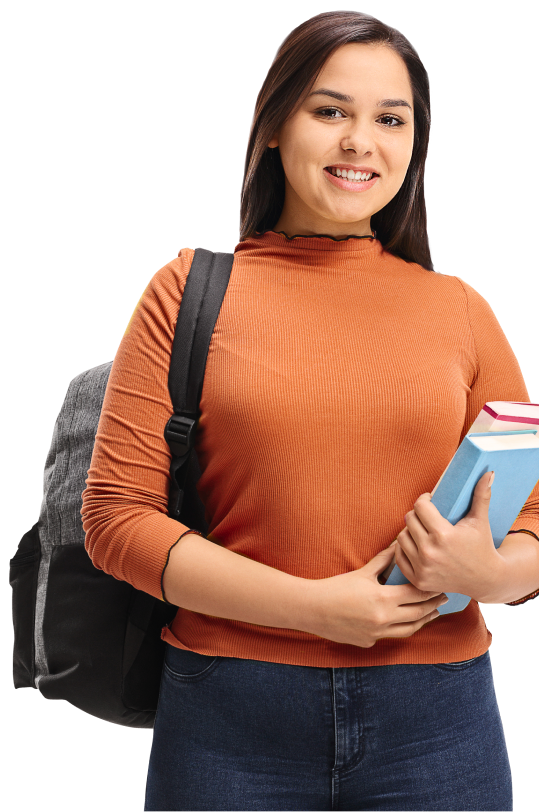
x: 421, y: 520
x: 407, y: 629
x: 410, y: 554
x: 404, y: 564
x: 409, y: 543
x: 429, y: 515
x: 408, y: 593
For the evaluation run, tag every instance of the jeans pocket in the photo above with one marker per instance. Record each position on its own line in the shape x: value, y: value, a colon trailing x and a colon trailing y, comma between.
x: 461, y: 664
x: 189, y: 666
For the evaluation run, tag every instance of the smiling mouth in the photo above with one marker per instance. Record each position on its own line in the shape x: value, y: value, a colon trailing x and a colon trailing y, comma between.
x: 351, y: 185
x: 350, y: 175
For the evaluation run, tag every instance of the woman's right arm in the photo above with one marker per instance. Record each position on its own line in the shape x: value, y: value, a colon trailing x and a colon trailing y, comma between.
x: 204, y: 577
x: 351, y: 608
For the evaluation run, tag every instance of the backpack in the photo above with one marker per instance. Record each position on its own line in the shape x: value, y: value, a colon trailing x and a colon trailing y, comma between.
x: 79, y: 633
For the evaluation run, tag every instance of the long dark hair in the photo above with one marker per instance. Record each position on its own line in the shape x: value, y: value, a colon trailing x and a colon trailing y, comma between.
x: 401, y: 226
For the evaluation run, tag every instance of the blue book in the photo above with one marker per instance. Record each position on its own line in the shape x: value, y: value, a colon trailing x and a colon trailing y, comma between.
x: 514, y: 456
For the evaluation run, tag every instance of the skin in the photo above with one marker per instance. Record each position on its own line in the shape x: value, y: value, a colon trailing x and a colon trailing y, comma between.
x: 359, y: 133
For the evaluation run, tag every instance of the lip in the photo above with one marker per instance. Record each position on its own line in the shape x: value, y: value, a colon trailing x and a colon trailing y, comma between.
x: 350, y: 185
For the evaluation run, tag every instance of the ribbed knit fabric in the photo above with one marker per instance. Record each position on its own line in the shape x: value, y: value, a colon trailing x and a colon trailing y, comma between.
x: 339, y: 383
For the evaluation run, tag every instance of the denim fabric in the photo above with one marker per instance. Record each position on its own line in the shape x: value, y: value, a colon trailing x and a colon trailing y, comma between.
x: 247, y: 734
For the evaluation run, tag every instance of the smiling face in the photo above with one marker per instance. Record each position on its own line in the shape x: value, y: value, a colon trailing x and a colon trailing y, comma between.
x: 370, y: 125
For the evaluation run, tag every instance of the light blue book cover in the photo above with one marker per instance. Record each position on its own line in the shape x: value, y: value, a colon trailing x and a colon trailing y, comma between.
x: 517, y: 473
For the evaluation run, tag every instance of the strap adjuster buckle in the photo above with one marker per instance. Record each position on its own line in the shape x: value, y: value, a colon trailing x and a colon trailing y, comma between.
x: 180, y: 434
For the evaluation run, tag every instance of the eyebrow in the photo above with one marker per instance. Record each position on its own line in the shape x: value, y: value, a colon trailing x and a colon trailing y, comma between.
x: 349, y: 99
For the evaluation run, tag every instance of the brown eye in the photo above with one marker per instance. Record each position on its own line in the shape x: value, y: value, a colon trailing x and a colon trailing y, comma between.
x: 398, y: 121
x: 326, y: 112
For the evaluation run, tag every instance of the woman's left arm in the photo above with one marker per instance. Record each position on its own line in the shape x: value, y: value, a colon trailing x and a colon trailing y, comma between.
x: 436, y: 555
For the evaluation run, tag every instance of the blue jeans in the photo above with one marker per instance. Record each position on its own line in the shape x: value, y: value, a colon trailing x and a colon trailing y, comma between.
x: 248, y: 734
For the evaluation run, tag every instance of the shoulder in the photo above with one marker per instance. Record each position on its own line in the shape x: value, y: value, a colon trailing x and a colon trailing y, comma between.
x: 171, y: 278
x: 160, y: 301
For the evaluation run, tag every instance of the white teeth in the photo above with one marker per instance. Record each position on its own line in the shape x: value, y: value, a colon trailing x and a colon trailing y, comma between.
x: 349, y: 174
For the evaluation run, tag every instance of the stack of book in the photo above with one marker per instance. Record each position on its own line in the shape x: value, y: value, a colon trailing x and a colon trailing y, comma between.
x: 501, y: 439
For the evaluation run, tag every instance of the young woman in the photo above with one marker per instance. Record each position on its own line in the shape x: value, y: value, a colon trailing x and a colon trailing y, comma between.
x: 342, y: 375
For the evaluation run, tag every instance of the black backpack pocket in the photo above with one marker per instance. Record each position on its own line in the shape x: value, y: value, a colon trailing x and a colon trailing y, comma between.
x: 23, y: 572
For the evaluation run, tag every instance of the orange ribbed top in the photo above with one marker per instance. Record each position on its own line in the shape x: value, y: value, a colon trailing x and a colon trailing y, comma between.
x: 339, y: 383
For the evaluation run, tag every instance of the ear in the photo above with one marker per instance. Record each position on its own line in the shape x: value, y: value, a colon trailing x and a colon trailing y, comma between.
x: 274, y: 142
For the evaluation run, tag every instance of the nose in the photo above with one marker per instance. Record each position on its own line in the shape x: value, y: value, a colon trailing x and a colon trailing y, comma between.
x: 360, y: 138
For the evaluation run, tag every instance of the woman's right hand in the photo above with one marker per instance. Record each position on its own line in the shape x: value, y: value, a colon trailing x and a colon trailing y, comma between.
x: 355, y: 608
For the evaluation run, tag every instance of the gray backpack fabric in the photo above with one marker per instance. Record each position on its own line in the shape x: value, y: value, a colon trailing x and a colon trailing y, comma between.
x: 79, y: 633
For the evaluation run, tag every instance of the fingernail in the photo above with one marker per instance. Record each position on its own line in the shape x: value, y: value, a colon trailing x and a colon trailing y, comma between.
x: 491, y: 480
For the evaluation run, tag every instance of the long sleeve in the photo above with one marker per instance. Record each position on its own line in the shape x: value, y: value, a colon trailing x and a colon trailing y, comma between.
x: 128, y: 532
x: 498, y: 377
x: 498, y: 367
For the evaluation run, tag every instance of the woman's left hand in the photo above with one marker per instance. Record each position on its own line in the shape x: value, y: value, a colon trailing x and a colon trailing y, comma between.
x: 436, y: 555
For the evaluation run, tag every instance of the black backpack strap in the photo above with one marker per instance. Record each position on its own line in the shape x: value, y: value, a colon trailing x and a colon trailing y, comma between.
x: 202, y: 298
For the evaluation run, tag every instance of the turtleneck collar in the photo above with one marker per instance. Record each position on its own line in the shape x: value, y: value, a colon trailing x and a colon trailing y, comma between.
x: 315, y: 248
x: 318, y: 236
